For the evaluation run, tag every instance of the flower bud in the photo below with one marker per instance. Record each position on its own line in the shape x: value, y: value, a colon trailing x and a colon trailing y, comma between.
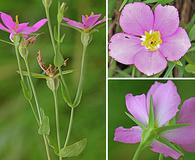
x: 61, y: 11
x: 47, y: 3
x: 86, y: 38
x: 53, y: 83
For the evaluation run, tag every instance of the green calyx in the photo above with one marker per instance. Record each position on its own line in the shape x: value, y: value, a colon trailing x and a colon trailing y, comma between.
x: 152, y: 132
x: 86, y: 38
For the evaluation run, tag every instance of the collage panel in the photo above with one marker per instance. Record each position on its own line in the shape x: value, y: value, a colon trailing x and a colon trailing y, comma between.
x: 151, y: 38
x: 52, y: 58
x: 151, y: 119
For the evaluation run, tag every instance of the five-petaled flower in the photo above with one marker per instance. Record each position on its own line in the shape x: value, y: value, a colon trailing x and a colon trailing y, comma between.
x: 165, y: 104
x: 16, y: 28
x: 88, y: 22
x: 149, y: 39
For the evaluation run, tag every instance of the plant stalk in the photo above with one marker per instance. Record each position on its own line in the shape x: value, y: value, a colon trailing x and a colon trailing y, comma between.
x: 138, y: 151
x: 57, y: 121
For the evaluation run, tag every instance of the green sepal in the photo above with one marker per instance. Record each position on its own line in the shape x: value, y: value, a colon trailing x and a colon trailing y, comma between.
x: 66, y: 25
x: 151, y: 114
x: 26, y: 90
x: 169, y: 144
x: 169, y: 127
x: 44, y: 127
x: 179, y: 63
x: 73, y: 150
x: 135, y: 120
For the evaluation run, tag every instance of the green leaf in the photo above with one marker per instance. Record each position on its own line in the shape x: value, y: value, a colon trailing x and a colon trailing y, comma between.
x: 150, y: 1
x: 64, y: 95
x: 44, y: 128
x: 169, y: 144
x: 62, y: 38
x: 26, y: 90
x: 169, y: 70
x: 34, y: 75
x: 169, y: 127
x: 191, y: 23
x: 135, y: 120
x: 165, y: 1
x: 73, y: 150
x: 78, y: 100
x: 192, y: 33
x: 190, y: 68
x: 151, y: 114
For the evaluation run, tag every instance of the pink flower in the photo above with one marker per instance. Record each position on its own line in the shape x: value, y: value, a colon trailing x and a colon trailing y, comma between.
x: 16, y: 28
x: 165, y: 104
x: 88, y: 22
x: 149, y: 39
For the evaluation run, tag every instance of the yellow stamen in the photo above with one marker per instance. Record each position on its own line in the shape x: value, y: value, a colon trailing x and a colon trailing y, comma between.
x: 151, y: 40
x: 17, y: 21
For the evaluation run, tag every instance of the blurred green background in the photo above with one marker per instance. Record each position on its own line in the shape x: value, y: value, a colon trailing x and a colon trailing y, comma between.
x: 117, y: 108
x: 19, y: 139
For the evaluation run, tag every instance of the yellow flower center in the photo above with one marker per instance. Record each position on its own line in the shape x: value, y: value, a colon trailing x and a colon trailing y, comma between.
x: 151, y: 40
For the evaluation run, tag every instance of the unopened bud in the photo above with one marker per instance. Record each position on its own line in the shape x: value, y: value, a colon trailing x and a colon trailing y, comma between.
x: 47, y: 3
x: 61, y: 11
x: 86, y: 38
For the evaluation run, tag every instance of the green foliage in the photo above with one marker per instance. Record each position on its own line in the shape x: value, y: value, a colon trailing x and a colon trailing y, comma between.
x: 44, y: 128
x: 192, y: 33
x: 190, y: 68
x: 73, y: 150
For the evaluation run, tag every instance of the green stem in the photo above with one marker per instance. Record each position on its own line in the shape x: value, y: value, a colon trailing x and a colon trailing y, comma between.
x: 57, y: 121
x: 169, y: 70
x: 50, y: 30
x: 138, y: 151
x: 161, y: 157
x: 123, y: 4
x: 69, y: 127
x: 37, y: 105
x: 133, y: 72
x: 19, y: 62
x: 80, y: 85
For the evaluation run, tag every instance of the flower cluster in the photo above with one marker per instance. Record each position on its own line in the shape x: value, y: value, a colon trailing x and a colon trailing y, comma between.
x: 149, y: 39
x: 165, y: 107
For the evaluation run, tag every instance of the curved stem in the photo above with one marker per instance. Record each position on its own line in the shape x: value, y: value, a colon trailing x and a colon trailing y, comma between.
x: 37, y: 105
x: 33, y: 110
x: 80, y: 85
x: 138, y: 151
x: 57, y: 121
x: 69, y: 127
x: 50, y: 30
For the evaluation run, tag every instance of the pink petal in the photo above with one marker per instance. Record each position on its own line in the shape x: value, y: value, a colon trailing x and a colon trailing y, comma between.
x: 91, y: 20
x: 175, y: 46
x: 21, y: 27
x: 186, y: 116
x: 166, y: 20
x: 159, y: 147
x: 131, y: 135
x: 136, y: 105
x: 136, y: 18
x: 150, y: 63
x: 99, y: 22
x: 39, y: 24
x: 74, y: 23
x: 8, y: 21
x: 4, y: 28
x: 165, y: 101
x: 123, y: 48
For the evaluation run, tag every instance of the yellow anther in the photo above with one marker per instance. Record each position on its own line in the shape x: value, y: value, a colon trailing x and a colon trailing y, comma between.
x: 151, y: 40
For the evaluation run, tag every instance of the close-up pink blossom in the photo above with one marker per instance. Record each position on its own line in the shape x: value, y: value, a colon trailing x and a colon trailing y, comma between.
x: 88, y: 22
x: 16, y: 28
x: 149, y: 39
x: 166, y: 101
